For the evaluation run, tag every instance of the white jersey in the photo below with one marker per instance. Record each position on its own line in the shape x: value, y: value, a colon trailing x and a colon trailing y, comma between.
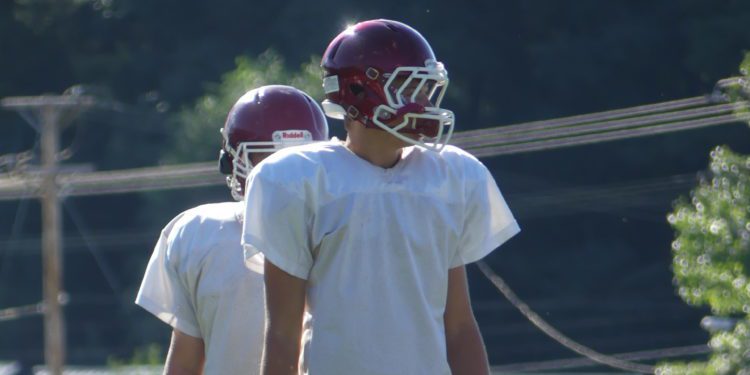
x: 196, y: 283
x: 375, y: 246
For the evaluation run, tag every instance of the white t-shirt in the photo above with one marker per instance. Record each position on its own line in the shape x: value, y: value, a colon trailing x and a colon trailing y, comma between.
x: 196, y: 283
x: 375, y: 246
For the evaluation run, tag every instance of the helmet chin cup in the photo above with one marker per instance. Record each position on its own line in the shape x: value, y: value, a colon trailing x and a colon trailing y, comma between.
x: 442, y: 118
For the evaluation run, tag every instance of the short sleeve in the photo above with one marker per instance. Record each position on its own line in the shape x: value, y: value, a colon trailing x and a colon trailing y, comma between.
x: 277, y: 224
x: 162, y: 291
x: 488, y: 222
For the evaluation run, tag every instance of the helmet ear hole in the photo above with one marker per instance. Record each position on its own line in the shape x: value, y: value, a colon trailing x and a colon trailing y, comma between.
x: 357, y: 90
x: 225, y: 163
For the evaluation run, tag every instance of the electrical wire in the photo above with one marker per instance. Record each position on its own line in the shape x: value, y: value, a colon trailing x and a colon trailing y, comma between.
x: 205, y: 174
x: 500, y: 138
x: 559, y: 364
x: 13, y: 313
x: 604, y: 199
x: 558, y: 336
x: 602, y: 137
x: 586, y: 118
x: 101, y: 262
x: 142, y: 179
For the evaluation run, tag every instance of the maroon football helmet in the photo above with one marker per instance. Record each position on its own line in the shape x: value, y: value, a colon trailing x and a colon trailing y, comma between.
x: 265, y: 120
x: 384, y: 74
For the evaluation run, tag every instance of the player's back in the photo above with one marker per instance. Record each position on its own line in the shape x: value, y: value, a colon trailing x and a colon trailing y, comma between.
x: 213, y: 295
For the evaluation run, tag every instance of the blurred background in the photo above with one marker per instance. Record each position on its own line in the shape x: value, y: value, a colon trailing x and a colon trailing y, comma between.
x: 594, y: 256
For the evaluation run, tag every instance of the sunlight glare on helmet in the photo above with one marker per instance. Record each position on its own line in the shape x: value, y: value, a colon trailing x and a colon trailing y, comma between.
x: 349, y: 28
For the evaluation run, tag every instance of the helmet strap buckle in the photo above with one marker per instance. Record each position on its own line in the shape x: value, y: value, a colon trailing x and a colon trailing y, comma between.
x: 352, y: 111
x: 372, y: 73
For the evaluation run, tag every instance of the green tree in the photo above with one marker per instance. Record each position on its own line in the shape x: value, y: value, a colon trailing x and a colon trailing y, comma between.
x: 712, y: 258
x: 196, y: 136
x: 712, y: 250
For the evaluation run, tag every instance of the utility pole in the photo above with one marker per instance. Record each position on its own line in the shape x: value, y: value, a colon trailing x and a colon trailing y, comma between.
x: 54, y: 112
x: 54, y: 323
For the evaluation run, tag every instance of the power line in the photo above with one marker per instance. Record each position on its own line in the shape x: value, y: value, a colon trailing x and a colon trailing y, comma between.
x: 122, y: 181
x: 143, y: 179
x: 526, y: 205
x: 104, y: 267
x: 548, y: 144
x: 502, y: 137
x: 513, y: 139
x: 559, y: 364
x: 13, y: 313
x: 586, y: 118
x: 558, y: 336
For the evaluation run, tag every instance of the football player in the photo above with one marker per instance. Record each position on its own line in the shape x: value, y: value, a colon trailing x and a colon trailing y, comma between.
x: 373, y: 232
x: 195, y: 280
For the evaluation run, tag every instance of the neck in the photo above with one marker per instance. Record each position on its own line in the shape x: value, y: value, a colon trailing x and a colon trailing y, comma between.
x: 376, y: 146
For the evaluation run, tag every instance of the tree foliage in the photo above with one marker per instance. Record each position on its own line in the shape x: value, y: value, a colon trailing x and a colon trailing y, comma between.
x: 712, y: 258
x: 194, y: 130
x: 196, y: 136
x: 712, y: 250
